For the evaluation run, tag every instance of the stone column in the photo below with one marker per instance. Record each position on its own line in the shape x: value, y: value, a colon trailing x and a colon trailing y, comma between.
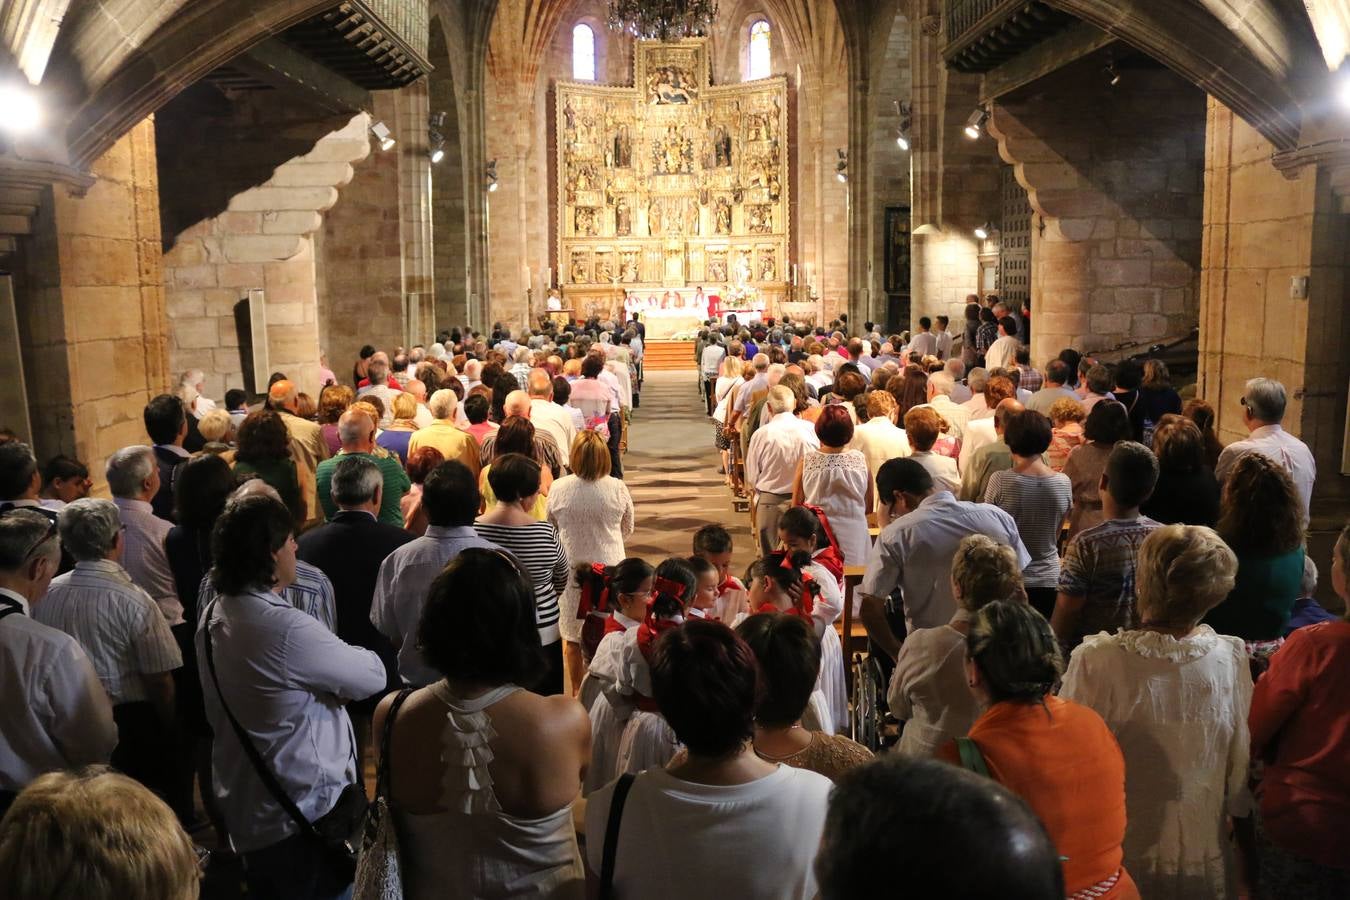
x: 90, y: 305
x: 1114, y: 176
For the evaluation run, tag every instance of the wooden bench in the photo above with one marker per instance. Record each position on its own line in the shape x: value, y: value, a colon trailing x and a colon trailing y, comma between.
x: 852, y: 632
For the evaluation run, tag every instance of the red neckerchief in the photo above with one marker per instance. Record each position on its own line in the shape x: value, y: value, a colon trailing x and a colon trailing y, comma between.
x: 594, y: 592
x: 648, y: 633
x: 803, y: 608
x: 613, y: 625
x: 731, y: 584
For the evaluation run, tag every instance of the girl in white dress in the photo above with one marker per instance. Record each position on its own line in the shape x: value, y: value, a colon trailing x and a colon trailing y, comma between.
x: 779, y: 582
x: 1176, y: 696
x: 592, y: 514
x: 614, y: 599
x: 837, y: 480
x: 631, y: 735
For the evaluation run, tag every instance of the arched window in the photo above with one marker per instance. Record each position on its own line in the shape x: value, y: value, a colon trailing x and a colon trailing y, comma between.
x: 761, y: 65
x: 583, y: 53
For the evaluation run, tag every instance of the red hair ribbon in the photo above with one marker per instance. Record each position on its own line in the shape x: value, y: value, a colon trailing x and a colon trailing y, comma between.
x: 666, y: 586
x: 831, y: 558
x: 594, y: 592
x: 804, y: 606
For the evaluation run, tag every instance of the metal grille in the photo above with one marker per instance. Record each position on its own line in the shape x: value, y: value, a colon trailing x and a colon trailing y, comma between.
x: 1015, y: 249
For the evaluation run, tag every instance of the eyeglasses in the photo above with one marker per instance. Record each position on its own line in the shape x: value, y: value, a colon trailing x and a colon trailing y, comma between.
x: 1243, y: 401
x: 50, y: 533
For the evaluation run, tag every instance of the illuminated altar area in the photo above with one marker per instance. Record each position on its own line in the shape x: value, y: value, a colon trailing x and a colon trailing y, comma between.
x: 671, y: 189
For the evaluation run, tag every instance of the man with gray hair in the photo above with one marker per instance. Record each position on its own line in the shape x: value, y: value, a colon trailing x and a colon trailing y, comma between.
x: 546, y: 450
x: 349, y: 549
x: 976, y: 407
x: 520, y: 367
x: 775, y: 451
x: 357, y: 433
x: 443, y: 434
x: 1263, y: 406
x: 54, y: 713
x: 133, y: 478
x: 378, y: 372
x: 130, y: 645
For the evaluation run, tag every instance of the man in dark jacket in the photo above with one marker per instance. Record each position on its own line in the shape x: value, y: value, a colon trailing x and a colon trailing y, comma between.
x: 167, y: 424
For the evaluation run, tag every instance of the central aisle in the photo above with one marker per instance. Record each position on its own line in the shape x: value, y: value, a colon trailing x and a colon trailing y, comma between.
x: 671, y: 470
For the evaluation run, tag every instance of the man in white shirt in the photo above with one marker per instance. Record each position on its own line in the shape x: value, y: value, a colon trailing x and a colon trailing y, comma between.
x: 548, y: 416
x: 922, y: 528
x: 1056, y: 378
x: 776, y: 449
x: 377, y: 370
x: 1263, y: 406
x: 133, y: 478
x: 879, y: 438
x: 127, y: 640
x: 1002, y: 354
x: 975, y: 383
x: 924, y: 342
x: 709, y: 362
x: 54, y: 713
x: 944, y: 338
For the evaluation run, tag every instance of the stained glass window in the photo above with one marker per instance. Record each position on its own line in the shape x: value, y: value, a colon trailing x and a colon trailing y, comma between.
x: 760, y: 64
x: 583, y: 53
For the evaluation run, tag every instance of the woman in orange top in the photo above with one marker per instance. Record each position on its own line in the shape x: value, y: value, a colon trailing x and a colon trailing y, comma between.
x: 1057, y: 755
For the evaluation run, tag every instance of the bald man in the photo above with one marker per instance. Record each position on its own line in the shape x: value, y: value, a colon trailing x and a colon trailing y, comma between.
x: 547, y: 416
x: 546, y: 449
x: 308, y: 446
x: 991, y: 457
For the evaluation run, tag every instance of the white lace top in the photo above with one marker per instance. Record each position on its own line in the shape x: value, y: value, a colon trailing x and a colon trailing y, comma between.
x: 1179, y: 708
x: 473, y: 848
x: 837, y: 483
x: 592, y: 519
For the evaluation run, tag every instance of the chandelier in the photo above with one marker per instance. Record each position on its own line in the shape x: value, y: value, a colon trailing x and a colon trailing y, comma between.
x: 662, y: 19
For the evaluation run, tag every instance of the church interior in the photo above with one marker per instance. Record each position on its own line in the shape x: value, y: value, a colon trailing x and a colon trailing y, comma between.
x: 375, y: 170
x: 229, y: 189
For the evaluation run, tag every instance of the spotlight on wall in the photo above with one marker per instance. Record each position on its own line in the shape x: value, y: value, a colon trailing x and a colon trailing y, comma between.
x: 20, y: 112
x: 1112, y: 73
x: 491, y: 174
x: 841, y: 167
x: 975, y: 124
x: 904, y: 111
x: 383, y: 135
x: 983, y: 231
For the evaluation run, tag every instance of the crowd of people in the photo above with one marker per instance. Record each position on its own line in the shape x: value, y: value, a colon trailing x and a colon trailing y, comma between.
x: 1096, y: 627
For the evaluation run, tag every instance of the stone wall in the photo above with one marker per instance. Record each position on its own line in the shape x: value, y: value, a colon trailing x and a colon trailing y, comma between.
x: 263, y: 240
x: 1114, y: 174
x: 90, y: 305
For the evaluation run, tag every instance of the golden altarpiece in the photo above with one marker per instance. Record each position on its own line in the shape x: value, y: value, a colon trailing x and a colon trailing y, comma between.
x: 672, y: 186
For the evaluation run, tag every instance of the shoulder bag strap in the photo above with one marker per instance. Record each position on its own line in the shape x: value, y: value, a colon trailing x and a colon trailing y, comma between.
x: 386, y: 740
x: 971, y: 757
x: 259, y: 765
x: 616, y: 803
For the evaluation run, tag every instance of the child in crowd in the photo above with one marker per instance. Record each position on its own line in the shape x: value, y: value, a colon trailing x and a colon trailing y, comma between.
x: 705, y: 593
x: 613, y: 600
x: 713, y: 543
x: 628, y: 733
x: 1066, y: 415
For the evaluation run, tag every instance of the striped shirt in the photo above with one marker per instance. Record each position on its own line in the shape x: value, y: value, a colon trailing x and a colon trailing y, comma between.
x: 1038, y: 506
x: 117, y: 624
x: 542, y: 560
x: 144, y: 558
x: 311, y: 592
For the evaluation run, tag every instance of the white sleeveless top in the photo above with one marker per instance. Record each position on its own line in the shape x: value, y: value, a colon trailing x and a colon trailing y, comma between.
x: 837, y: 483
x: 474, y: 849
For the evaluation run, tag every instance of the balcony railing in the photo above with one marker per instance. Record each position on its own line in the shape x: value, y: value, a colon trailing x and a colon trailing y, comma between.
x: 981, y: 34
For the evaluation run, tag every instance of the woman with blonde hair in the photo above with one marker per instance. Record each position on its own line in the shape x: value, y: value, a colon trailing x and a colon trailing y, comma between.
x: 593, y: 514
x: 1261, y: 519
x: 1187, y: 492
x: 928, y: 688
x: 1176, y: 696
x: 728, y: 376
x: 95, y: 834
x: 1066, y: 432
x: 217, y: 429
x: 923, y: 426
x: 400, y: 430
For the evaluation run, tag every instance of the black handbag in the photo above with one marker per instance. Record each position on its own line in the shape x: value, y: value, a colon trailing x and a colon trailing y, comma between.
x: 339, y: 830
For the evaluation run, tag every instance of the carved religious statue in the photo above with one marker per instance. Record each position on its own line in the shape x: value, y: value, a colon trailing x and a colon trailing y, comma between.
x: 766, y: 267
x: 623, y: 218
x: 656, y: 211
x: 623, y: 148
x: 723, y: 216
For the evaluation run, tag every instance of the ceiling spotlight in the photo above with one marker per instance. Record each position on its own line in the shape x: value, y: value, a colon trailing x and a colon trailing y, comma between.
x: 906, y: 122
x: 983, y: 231
x: 975, y: 124
x: 1112, y: 74
x: 435, y: 145
x: 383, y: 135
x: 436, y: 121
x: 20, y: 112
x: 491, y: 173
x: 841, y: 167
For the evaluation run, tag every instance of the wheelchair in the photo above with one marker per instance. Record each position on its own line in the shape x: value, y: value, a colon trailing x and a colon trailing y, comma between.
x: 873, y: 725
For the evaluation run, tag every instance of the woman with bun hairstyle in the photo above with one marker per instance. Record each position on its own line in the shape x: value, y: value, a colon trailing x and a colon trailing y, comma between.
x: 1057, y: 755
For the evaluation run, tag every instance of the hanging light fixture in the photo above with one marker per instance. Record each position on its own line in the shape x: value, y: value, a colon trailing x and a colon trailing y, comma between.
x: 383, y: 135
x: 435, y: 138
x: 662, y: 20
x: 983, y: 231
x: 975, y: 124
x: 491, y: 175
x: 906, y: 123
x: 841, y: 167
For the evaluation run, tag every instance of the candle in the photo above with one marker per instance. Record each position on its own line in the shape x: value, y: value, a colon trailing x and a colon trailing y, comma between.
x: 794, y: 274
x: 527, y: 278
x: 549, y: 283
